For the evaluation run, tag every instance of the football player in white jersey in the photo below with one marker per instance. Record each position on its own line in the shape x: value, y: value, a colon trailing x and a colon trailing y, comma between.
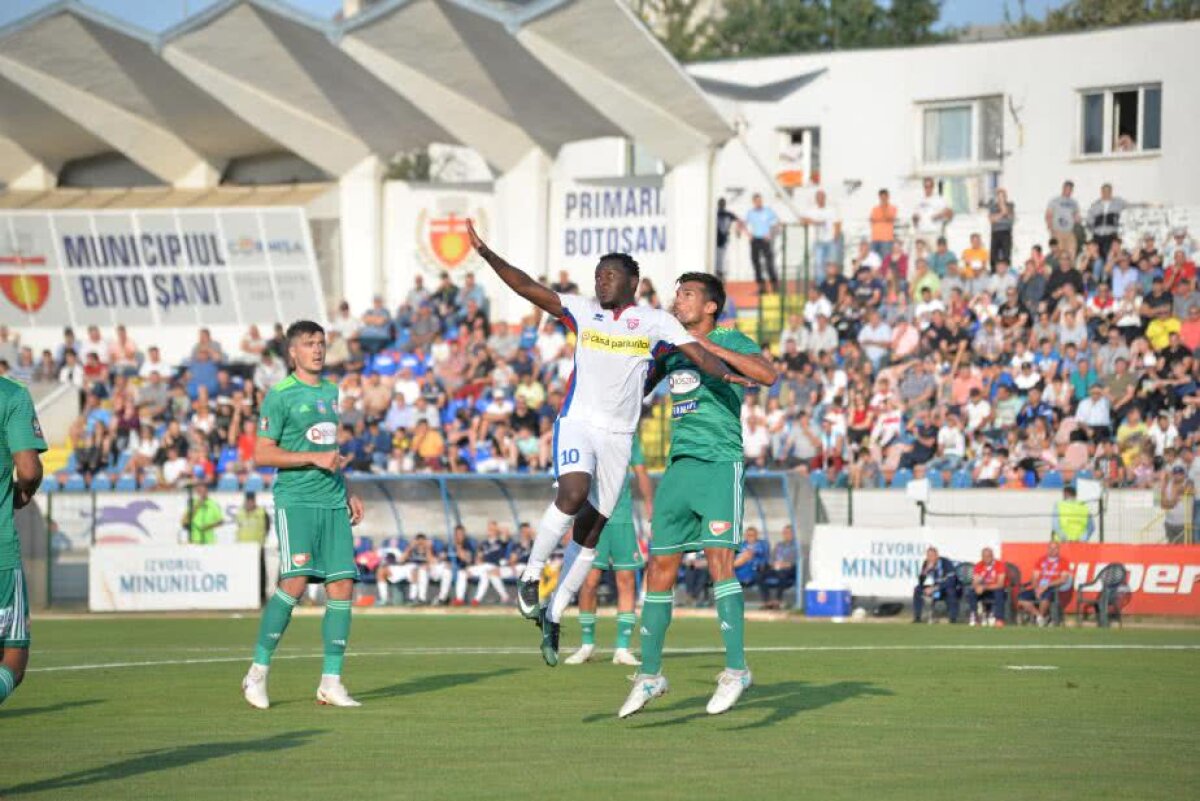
x: 593, y: 435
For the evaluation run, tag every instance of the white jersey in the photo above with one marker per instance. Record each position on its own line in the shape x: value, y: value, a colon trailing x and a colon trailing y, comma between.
x: 613, y: 350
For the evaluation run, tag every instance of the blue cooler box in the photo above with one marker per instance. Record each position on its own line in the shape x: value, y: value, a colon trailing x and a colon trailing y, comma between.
x: 826, y: 603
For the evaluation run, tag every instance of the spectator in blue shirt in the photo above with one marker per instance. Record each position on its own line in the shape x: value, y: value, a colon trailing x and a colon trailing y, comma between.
x: 763, y: 224
x: 780, y: 574
x: 1034, y: 408
x: 376, y: 332
x: 752, y: 559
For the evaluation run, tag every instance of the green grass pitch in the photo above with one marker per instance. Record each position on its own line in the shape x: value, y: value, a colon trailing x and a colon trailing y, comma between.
x: 461, y: 707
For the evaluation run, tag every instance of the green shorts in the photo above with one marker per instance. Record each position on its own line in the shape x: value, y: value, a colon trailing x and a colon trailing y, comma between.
x: 618, y: 547
x: 315, y: 542
x: 14, y: 609
x: 698, y: 505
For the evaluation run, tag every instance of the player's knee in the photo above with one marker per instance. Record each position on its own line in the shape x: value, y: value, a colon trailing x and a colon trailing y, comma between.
x: 572, y: 495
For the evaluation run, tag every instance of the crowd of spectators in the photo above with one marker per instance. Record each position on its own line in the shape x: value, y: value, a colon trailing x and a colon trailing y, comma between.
x: 915, y: 360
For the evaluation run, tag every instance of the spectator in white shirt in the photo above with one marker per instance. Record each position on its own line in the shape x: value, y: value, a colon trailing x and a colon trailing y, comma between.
x: 978, y: 411
x: 931, y: 215
x: 876, y: 339
x: 154, y: 363
x: 823, y: 338
x: 1163, y: 434
x: 826, y: 232
x: 794, y: 332
x: 1095, y: 412
x: 816, y: 306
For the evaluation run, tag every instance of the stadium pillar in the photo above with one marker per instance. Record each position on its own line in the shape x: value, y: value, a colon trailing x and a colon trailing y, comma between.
x: 522, y: 227
x: 691, y: 215
x: 360, y: 196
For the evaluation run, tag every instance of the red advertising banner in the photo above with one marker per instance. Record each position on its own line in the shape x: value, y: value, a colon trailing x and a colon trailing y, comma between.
x: 1163, y: 579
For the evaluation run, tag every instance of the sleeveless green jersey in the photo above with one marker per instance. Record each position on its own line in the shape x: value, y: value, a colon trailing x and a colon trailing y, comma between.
x: 304, y: 418
x: 706, y: 412
x: 19, y: 431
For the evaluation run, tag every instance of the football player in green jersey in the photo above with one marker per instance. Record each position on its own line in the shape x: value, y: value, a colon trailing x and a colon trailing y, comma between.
x: 21, y: 442
x: 698, y: 505
x: 618, y: 551
x: 297, y: 435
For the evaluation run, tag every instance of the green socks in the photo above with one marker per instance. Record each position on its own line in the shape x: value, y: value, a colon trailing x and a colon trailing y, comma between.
x: 731, y: 611
x: 587, y: 625
x: 335, y: 631
x: 625, y: 623
x: 656, y: 619
x: 275, y: 619
x: 7, y: 683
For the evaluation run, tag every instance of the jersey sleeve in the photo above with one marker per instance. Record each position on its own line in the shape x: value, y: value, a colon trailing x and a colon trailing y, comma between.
x: 740, y: 343
x: 22, y: 430
x: 668, y: 329
x: 575, y: 308
x: 270, y: 417
x: 636, y: 457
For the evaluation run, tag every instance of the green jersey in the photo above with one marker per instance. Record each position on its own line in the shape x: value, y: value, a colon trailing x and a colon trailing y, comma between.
x: 19, y: 431
x: 706, y: 412
x: 303, y: 418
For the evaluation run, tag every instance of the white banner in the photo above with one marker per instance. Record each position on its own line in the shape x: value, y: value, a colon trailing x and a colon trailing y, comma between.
x: 591, y: 218
x: 138, y: 578
x: 885, y: 562
x: 157, y: 267
x: 143, y: 518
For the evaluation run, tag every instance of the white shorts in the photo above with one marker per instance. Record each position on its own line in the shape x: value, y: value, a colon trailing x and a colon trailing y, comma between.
x: 582, y: 448
x: 398, y: 573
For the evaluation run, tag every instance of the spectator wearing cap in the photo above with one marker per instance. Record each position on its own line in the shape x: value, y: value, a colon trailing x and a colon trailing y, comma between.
x: 1179, y: 241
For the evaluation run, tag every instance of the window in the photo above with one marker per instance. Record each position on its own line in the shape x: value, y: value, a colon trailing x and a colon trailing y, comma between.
x: 799, y: 157
x: 963, y: 132
x: 1121, y: 120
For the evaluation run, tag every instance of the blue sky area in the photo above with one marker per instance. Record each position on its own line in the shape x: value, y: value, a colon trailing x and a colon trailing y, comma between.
x: 157, y: 15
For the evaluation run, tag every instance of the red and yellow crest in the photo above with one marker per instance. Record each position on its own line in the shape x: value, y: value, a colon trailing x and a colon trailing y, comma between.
x: 442, y: 241
x: 27, y: 291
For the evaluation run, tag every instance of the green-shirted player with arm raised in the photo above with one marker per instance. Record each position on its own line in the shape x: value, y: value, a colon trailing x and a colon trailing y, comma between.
x: 297, y: 434
x: 21, y: 442
x: 698, y: 505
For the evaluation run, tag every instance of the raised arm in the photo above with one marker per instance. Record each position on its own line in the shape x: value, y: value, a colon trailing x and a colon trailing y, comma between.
x: 518, y: 281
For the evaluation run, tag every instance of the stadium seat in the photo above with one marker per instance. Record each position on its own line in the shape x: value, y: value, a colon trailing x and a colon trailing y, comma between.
x: 228, y: 482
x: 122, y: 462
x: 50, y: 484
x: 149, y: 481
x: 102, y: 482
x: 1110, y: 594
x: 901, y: 479
x: 72, y: 465
x: 935, y: 479
x: 960, y: 480
x: 74, y: 483
x: 1052, y: 480
x: 818, y: 479
x: 126, y: 483
x: 254, y: 483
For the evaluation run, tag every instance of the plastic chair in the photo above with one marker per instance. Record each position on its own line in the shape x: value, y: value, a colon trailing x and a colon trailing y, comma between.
x: 901, y: 478
x: 936, y: 481
x: 50, y: 484
x: 1052, y: 480
x: 74, y: 483
x: 228, y: 482
x: 960, y: 480
x: 102, y: 482
x: 1109, y: 597
x: 254, y: 483
x: 818, y: 480
x: 126, y: 483
x: 149, y: 480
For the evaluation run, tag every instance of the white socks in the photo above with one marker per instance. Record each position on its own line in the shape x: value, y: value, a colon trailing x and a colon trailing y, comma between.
x: 571, y: 582
x: 551, y: 529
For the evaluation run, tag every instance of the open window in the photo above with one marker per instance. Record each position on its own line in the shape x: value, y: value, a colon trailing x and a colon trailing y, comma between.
x: 1121, y: 120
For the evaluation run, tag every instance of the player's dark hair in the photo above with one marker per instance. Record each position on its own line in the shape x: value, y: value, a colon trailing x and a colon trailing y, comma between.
x: 714, y: 288
x: 626, y: 261
x: 302, y: 327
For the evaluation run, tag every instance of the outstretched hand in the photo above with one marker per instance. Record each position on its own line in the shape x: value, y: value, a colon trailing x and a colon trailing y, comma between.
x: 476, y: 241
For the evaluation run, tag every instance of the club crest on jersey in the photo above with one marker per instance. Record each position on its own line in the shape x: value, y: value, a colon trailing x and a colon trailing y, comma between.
x: 263, y: 423
x: 321, y: 407
x: 632, y: 323
x: 37, y: 428
x: 720, y: 528
x: 300, y: 559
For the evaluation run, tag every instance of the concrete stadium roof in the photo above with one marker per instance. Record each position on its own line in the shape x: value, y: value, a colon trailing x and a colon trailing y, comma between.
x: 248, y: 77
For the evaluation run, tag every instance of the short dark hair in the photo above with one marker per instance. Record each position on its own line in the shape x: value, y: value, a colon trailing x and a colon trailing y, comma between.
x: 714, y: 288
x: 628, y: 262
x: 302, y: 327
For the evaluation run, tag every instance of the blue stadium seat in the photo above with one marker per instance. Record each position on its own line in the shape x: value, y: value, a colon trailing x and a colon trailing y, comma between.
x: 126, y: 483
x: 50, y: 484
x: 102, y: 482
x: 818, y: 479
x: 960, y: 480
x: 1085, y: 474
x: 228, y: 482
x: 72, y: 466
x: 74, y: 483
x: 901, y: 479
x: 122, y: 462
x: 229, y: 456
x: 149, y: 481
x: 935, y: 479
x: 1052, y: 480
x: 254, y: 483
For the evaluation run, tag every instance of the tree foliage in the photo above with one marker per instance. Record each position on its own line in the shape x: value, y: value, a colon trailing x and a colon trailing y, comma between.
x: 1082, y: 15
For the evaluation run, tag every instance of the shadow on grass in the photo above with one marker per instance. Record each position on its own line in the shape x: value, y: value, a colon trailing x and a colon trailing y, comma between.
x: 164, y: 759
x: 781, y: 702
x: 433, y: 683
x: 9, y: 714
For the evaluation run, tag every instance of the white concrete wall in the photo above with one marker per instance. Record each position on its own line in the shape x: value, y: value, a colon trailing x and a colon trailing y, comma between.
x: 866, y: 105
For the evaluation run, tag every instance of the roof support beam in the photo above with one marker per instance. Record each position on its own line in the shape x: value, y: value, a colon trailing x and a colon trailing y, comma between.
x: 21, y: 170
x: 155, y: 149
